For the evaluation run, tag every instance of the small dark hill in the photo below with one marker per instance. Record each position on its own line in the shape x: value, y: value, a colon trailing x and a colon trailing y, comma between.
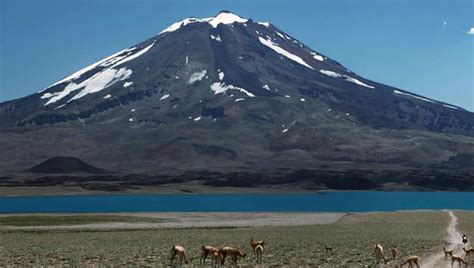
x: 65, y: 165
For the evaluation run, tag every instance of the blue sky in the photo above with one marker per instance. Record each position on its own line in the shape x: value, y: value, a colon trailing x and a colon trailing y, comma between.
x: 422, y: 46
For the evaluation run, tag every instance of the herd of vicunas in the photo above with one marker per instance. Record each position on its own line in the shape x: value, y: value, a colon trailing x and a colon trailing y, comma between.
x: 219, y: 255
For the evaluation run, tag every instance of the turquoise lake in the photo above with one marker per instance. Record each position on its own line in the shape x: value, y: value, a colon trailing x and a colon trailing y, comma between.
x: 329, y: 202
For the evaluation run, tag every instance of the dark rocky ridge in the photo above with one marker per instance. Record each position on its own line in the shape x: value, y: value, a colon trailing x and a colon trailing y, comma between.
x: 341, y: 127
x: 65, y: 165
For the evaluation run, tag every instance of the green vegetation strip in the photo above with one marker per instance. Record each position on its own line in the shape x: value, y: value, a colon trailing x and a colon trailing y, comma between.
x: 352, y: 240
x: 68, y: 220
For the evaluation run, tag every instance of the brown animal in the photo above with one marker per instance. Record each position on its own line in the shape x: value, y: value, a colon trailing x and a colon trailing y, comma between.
x: 216, y: 257
x: 457, y: 259
x: 213, y: 251
x: 379, y: 254
x: 447, y: 253
x: 328, y: 249
x: 233, y: 252
x: 394, y: 252
x: 179, y: 250
x: 412, y: 260
x: 254, y: 243
x: 259, y: 251
x: 468, y: 252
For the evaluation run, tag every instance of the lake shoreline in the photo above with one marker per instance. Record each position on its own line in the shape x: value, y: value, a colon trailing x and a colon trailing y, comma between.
x: 164, y: 220
x: 177, y: 220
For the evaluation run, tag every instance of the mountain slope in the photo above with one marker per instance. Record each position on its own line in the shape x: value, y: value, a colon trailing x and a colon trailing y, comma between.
x: 229, y: 94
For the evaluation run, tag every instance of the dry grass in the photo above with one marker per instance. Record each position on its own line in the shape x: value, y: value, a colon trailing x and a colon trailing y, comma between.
x: 466, y: 223
x: 352, y: 239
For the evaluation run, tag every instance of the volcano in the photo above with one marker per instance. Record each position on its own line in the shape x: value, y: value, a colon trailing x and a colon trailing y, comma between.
x: 231, y: 101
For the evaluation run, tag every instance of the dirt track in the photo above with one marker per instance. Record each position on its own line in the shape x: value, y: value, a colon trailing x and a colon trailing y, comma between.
x: 453, y: 242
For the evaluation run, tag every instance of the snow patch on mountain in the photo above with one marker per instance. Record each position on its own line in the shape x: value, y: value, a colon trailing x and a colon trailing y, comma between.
x: 165, y: 97
x: 266, y: 24
x: 347, y: 78
x: 221, y: 75
x: 133, y: 56
x: 266, y: 87
x: 413, y: 96
x: 113, y: 60
x: 197, y: 76
x: 239, y: 99
x: 98, y: 82
x: 217, y: 38
x: 60, y: 106
x: 46, y: 95
x: 449, y: 106
x: 226, y: 18
x: 317, y: 57
x: 90, y: 67
x: 281, y: 35
x: 127, y: 84
x: 175, y: 26
x: 221, y: 87
x: 358, y: 82
x: 330, y: 73
x: 283, y: 52
x: 108, y: 96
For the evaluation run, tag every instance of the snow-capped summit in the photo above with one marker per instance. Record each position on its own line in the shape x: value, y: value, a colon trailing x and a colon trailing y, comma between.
x: 230, y: 91
x: 224, y: 17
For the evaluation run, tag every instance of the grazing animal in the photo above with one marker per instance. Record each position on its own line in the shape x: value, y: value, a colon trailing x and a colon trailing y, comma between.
x: 447, y: 253
x: 233, y: 252
x: 464, y: 239
x: 412, y: 260
x: 457, y: 259
x: 259, y: 252
x: 379, y: 255
x: 254, y: 243
x: 394, y: 252
x: 179, y: 250
x: 206, y: 250
x: 328, y: 249
x: 468, y: 252
x: 216, y: 257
